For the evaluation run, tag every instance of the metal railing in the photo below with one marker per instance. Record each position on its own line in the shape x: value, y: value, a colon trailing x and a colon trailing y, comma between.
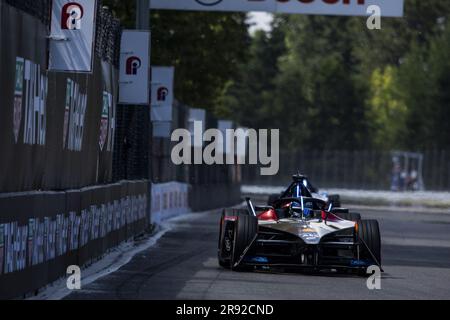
x: 366, y: 169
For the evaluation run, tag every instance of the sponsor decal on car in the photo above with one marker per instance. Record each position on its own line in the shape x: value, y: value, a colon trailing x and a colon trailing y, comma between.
x: 257, y: 259
x: 359, y: 263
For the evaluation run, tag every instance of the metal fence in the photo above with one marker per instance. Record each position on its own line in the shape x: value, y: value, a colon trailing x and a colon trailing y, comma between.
x: 367, y: 169
x: 220, y: 182
x: 40, y: 9
x: 132, y: 143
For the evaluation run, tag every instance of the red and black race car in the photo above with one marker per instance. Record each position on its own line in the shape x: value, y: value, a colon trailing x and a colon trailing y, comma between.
x: 309, y: 190
x: 298, y: 231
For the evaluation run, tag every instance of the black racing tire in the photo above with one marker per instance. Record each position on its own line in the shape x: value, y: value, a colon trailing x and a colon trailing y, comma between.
x: 224, y: 264
x: 339, y: 211
x: 346, y: 215
x: 272, y: 199
x: 369, y: 232
x: 245, y: 231
x: 335, y: 199
x: 353, y: 216
x: 223, y: 254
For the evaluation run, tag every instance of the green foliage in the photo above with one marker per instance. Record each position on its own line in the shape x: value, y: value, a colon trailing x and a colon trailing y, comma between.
x: 325, y: 82
x: 425, y: 81
x: 123, y: 10
x: 248, y: 97
x: 387, y: 111
x: 204, y: 47
x: 338, y: 85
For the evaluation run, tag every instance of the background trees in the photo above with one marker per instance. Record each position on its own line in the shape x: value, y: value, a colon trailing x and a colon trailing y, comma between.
x: 326, y: 82
x: 339, y: 85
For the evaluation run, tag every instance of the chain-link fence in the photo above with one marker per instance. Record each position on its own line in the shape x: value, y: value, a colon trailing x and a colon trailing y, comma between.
x: 108, y: 29
x: 132, y: 143
x: 220, y: 182
x: 108, y: 36
x: 40, y: 9
x: 367, y: 169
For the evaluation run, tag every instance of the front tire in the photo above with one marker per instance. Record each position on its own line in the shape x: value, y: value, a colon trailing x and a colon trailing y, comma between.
x: 347, y: 215
x: 245, y: 231
x: 235, y: 236
x: 369, y: 233
x: 225, y: 240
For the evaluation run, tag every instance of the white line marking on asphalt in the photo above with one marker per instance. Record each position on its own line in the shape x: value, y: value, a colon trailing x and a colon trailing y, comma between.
x: 410, y: 242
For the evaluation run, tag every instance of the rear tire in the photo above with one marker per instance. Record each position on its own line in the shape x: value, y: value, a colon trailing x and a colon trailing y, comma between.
x: 340, y: 211
x: 369, y: 232
x: 225, y: 240
x: 335, y: 199
x: 353, y: 216
x: 272, y: 199
x: 346, y: 215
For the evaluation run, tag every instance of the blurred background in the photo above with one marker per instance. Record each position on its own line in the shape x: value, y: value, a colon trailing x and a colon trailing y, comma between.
x: 364, y: 113
x: 357, y: 108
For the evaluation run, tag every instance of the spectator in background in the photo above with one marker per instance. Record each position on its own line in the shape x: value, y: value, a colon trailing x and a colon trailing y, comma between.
x: 396, y: 176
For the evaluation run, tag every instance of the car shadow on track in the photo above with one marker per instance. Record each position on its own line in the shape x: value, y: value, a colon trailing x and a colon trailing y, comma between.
x: 312, y: 273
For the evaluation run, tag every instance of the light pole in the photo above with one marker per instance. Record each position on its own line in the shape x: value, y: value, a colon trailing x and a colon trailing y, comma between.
x: 143, y: 23
x: 143, y: 14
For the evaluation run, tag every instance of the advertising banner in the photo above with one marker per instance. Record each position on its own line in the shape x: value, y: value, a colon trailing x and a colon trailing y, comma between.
x: 169, y: 200
x: 2, y: 239
x: 389, y: 8
x: 72, y: 35
x: 134, y: 67
x: 162, y: 95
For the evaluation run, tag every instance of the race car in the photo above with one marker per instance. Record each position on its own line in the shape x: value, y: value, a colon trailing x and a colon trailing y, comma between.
x: 300, y: 234
x: 333, y: 199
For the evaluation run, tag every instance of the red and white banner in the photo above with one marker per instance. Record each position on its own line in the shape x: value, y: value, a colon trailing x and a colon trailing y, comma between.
x: 389, y: 8
x: 134, y: 67
x: 162, y: 96
x: 72, y: 35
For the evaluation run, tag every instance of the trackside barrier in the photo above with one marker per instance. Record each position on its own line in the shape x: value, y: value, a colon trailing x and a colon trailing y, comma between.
x: 57, y: 129
x: 42, y: 233
x: 169, y: 200
x: 91, y: 159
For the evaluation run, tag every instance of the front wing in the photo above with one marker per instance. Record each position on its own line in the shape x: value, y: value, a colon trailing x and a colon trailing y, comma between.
x: 274, y: 248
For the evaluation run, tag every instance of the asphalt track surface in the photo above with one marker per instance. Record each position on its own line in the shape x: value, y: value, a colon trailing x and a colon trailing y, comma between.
x: 183, y: 265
